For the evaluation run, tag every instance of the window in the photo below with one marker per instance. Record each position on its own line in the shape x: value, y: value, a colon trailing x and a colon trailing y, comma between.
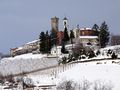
x: 83, y: 33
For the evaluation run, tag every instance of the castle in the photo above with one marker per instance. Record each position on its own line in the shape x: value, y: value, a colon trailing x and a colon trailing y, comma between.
x: 86, y: 36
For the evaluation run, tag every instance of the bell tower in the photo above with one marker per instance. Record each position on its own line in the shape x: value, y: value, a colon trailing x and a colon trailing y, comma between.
x: 54, y: 24
x: 65, y: 22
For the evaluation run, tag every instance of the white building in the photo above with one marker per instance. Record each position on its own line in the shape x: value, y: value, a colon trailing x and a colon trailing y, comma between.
x: 26, y: 48
x: 56, y: 50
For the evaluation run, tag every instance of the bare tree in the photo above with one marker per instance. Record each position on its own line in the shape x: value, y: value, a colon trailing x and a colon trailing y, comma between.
x: 84, y: 85
x: 115, y: 40
x: 78, y: 50
x: 99, y: 85
x: 66, y: 85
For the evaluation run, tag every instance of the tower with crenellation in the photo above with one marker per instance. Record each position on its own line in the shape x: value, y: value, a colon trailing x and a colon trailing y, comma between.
x: 54, y: 24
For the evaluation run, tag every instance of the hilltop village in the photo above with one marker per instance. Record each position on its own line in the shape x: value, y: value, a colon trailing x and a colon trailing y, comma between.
x: 86, y: 36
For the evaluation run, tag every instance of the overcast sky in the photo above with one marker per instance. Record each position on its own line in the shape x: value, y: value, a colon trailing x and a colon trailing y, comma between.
x: 21, y: 21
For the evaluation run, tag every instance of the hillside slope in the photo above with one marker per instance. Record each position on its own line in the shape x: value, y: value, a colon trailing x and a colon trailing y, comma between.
x: 105, y: 73
x: 25, y: 63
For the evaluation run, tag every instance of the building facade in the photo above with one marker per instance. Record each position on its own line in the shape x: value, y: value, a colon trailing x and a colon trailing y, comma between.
x: 88, y: 37
x: 60, y: 35
x: 87, y: 32
x: 26, y: 48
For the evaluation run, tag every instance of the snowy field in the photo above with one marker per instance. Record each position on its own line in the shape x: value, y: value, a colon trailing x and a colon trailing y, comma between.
x: 102, y: 72
x: 105, y: 72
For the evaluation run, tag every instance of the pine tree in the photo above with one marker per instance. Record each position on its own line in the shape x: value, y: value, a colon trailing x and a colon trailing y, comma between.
x: 71, y: 36
x: 63, y: 47
x: 53, y: 38
x: 66, y: 36
x: 48, y: 43
x: 96, y: 28
x: 104, y: 35
x: 42, y: 42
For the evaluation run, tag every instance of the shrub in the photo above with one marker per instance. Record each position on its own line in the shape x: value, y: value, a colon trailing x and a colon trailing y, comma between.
x: 98, y: 52
x: 10, y: 78
x: 85, y: 85
x: 63, y: 60
x: 66, y: 85
x: 91, y: 54
x: 109, y: 52
x: 114, y: 56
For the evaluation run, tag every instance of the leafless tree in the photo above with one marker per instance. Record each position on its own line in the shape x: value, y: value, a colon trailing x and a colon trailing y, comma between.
x: 84, y: 85
x: 78, y: 50
x: 99, y: 85
x: 115, y: 40
x: 66, y: 85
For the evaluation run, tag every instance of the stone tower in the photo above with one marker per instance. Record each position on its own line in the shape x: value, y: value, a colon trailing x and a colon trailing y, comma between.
x: 54, y: 24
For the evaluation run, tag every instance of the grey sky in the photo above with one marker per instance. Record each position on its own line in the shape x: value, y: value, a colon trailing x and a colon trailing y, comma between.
x: 21, y: 21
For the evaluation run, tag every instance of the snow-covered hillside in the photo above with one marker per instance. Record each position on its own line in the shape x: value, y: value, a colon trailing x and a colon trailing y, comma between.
x: 30, y: 62
x: 103, y: 52
x: 104, y: 72
x: 26, y: 63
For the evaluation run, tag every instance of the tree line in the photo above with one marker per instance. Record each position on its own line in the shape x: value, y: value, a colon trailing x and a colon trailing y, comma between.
x: 50, y: 39
x: 103, y: 34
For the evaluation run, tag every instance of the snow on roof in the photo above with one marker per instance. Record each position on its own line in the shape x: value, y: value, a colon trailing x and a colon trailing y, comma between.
x: 85, y: 29
x: 19, y: 48
x: 33, y: 41
x: 91, y: 37
x: 59, y: 47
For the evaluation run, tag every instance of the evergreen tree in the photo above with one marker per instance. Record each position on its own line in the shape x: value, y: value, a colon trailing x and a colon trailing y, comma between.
x: 66, y: 36
x: 48, y: 43
x: 53, y: 38
x: 71, y: 36
x: 42, y: 42
x: 96, y: 28
x: 63, y: 47
x: 104, y: 35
